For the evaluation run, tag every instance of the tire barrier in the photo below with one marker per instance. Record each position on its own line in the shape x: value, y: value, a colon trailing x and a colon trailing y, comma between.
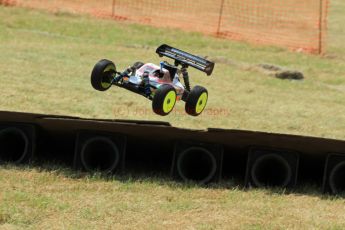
x: 146, y: 156
x: 17, y: 143
x: 197, y: 162
x: 269, y: 168
x: 334, y: 177
x: 100, y: 152
x: 202, y: 156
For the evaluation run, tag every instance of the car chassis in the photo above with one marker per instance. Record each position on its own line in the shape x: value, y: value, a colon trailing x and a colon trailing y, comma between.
x: 160, y: 84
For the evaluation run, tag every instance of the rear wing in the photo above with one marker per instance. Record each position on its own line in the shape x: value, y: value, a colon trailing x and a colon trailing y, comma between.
x: 185, y: 58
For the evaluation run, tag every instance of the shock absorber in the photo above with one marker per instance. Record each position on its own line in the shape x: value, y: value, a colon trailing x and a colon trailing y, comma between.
x: 146, y: 81
x: 186, y: 83
x: 185, y: 78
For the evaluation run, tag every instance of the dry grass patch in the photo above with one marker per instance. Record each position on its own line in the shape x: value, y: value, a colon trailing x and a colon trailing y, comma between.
x: 35, y: 198
x: 45, y: 63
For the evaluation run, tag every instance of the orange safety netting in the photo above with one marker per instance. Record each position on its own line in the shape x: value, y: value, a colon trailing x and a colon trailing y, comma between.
x: 297, y: 24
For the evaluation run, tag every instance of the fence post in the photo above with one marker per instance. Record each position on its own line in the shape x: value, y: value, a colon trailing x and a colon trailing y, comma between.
x: 220, y: 16
x: 113, y: 8
x: 321, y: 27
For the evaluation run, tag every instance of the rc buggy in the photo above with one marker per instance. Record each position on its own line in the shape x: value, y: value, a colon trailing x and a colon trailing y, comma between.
x: 161, y: 84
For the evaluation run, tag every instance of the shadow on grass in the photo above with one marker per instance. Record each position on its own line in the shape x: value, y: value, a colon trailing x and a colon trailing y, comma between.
x: 164, y: 179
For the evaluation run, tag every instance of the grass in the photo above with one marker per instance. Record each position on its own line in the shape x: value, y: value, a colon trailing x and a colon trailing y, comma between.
x: 45, y: 63
x: 46, y: 60
x: 36, y: 198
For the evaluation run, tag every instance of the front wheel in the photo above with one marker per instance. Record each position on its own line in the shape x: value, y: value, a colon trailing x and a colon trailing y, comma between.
x: 196, y: 101
x: 102, y: 75
x: 164, y: 100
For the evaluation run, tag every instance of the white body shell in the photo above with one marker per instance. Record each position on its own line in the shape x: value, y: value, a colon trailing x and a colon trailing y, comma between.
x: 154, y: 80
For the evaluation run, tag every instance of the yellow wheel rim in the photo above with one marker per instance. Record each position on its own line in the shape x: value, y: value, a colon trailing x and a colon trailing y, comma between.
x: 169, y: 102
x: 107, y: 69
x: 200, y: 105
x: 105, y: 84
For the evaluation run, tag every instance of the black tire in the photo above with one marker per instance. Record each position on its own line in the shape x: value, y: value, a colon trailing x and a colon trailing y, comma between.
x: 102, y: 75
x: 196, y: 101
x: 164, y: 100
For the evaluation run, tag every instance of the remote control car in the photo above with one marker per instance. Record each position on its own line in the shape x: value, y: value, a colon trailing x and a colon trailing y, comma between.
x: 161, y: 84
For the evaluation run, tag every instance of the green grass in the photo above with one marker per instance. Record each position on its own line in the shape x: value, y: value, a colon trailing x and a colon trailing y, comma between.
x: 36, y: 198
x: 45, y: 65
x: 46, y: 60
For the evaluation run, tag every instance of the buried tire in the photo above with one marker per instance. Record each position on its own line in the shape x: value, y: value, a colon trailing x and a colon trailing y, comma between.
x: 14, y: 145
x: 337, y: 178
x: 102, y: 75
x: 196, y: 101
x: 271, y: 170
x: 164, y: 100
x: 100, y: 154
x: 196, y: 164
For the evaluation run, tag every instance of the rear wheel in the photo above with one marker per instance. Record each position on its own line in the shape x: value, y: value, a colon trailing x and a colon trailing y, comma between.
x: 102, y: 75
x: 164, y: 100
x: 196, y: 101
